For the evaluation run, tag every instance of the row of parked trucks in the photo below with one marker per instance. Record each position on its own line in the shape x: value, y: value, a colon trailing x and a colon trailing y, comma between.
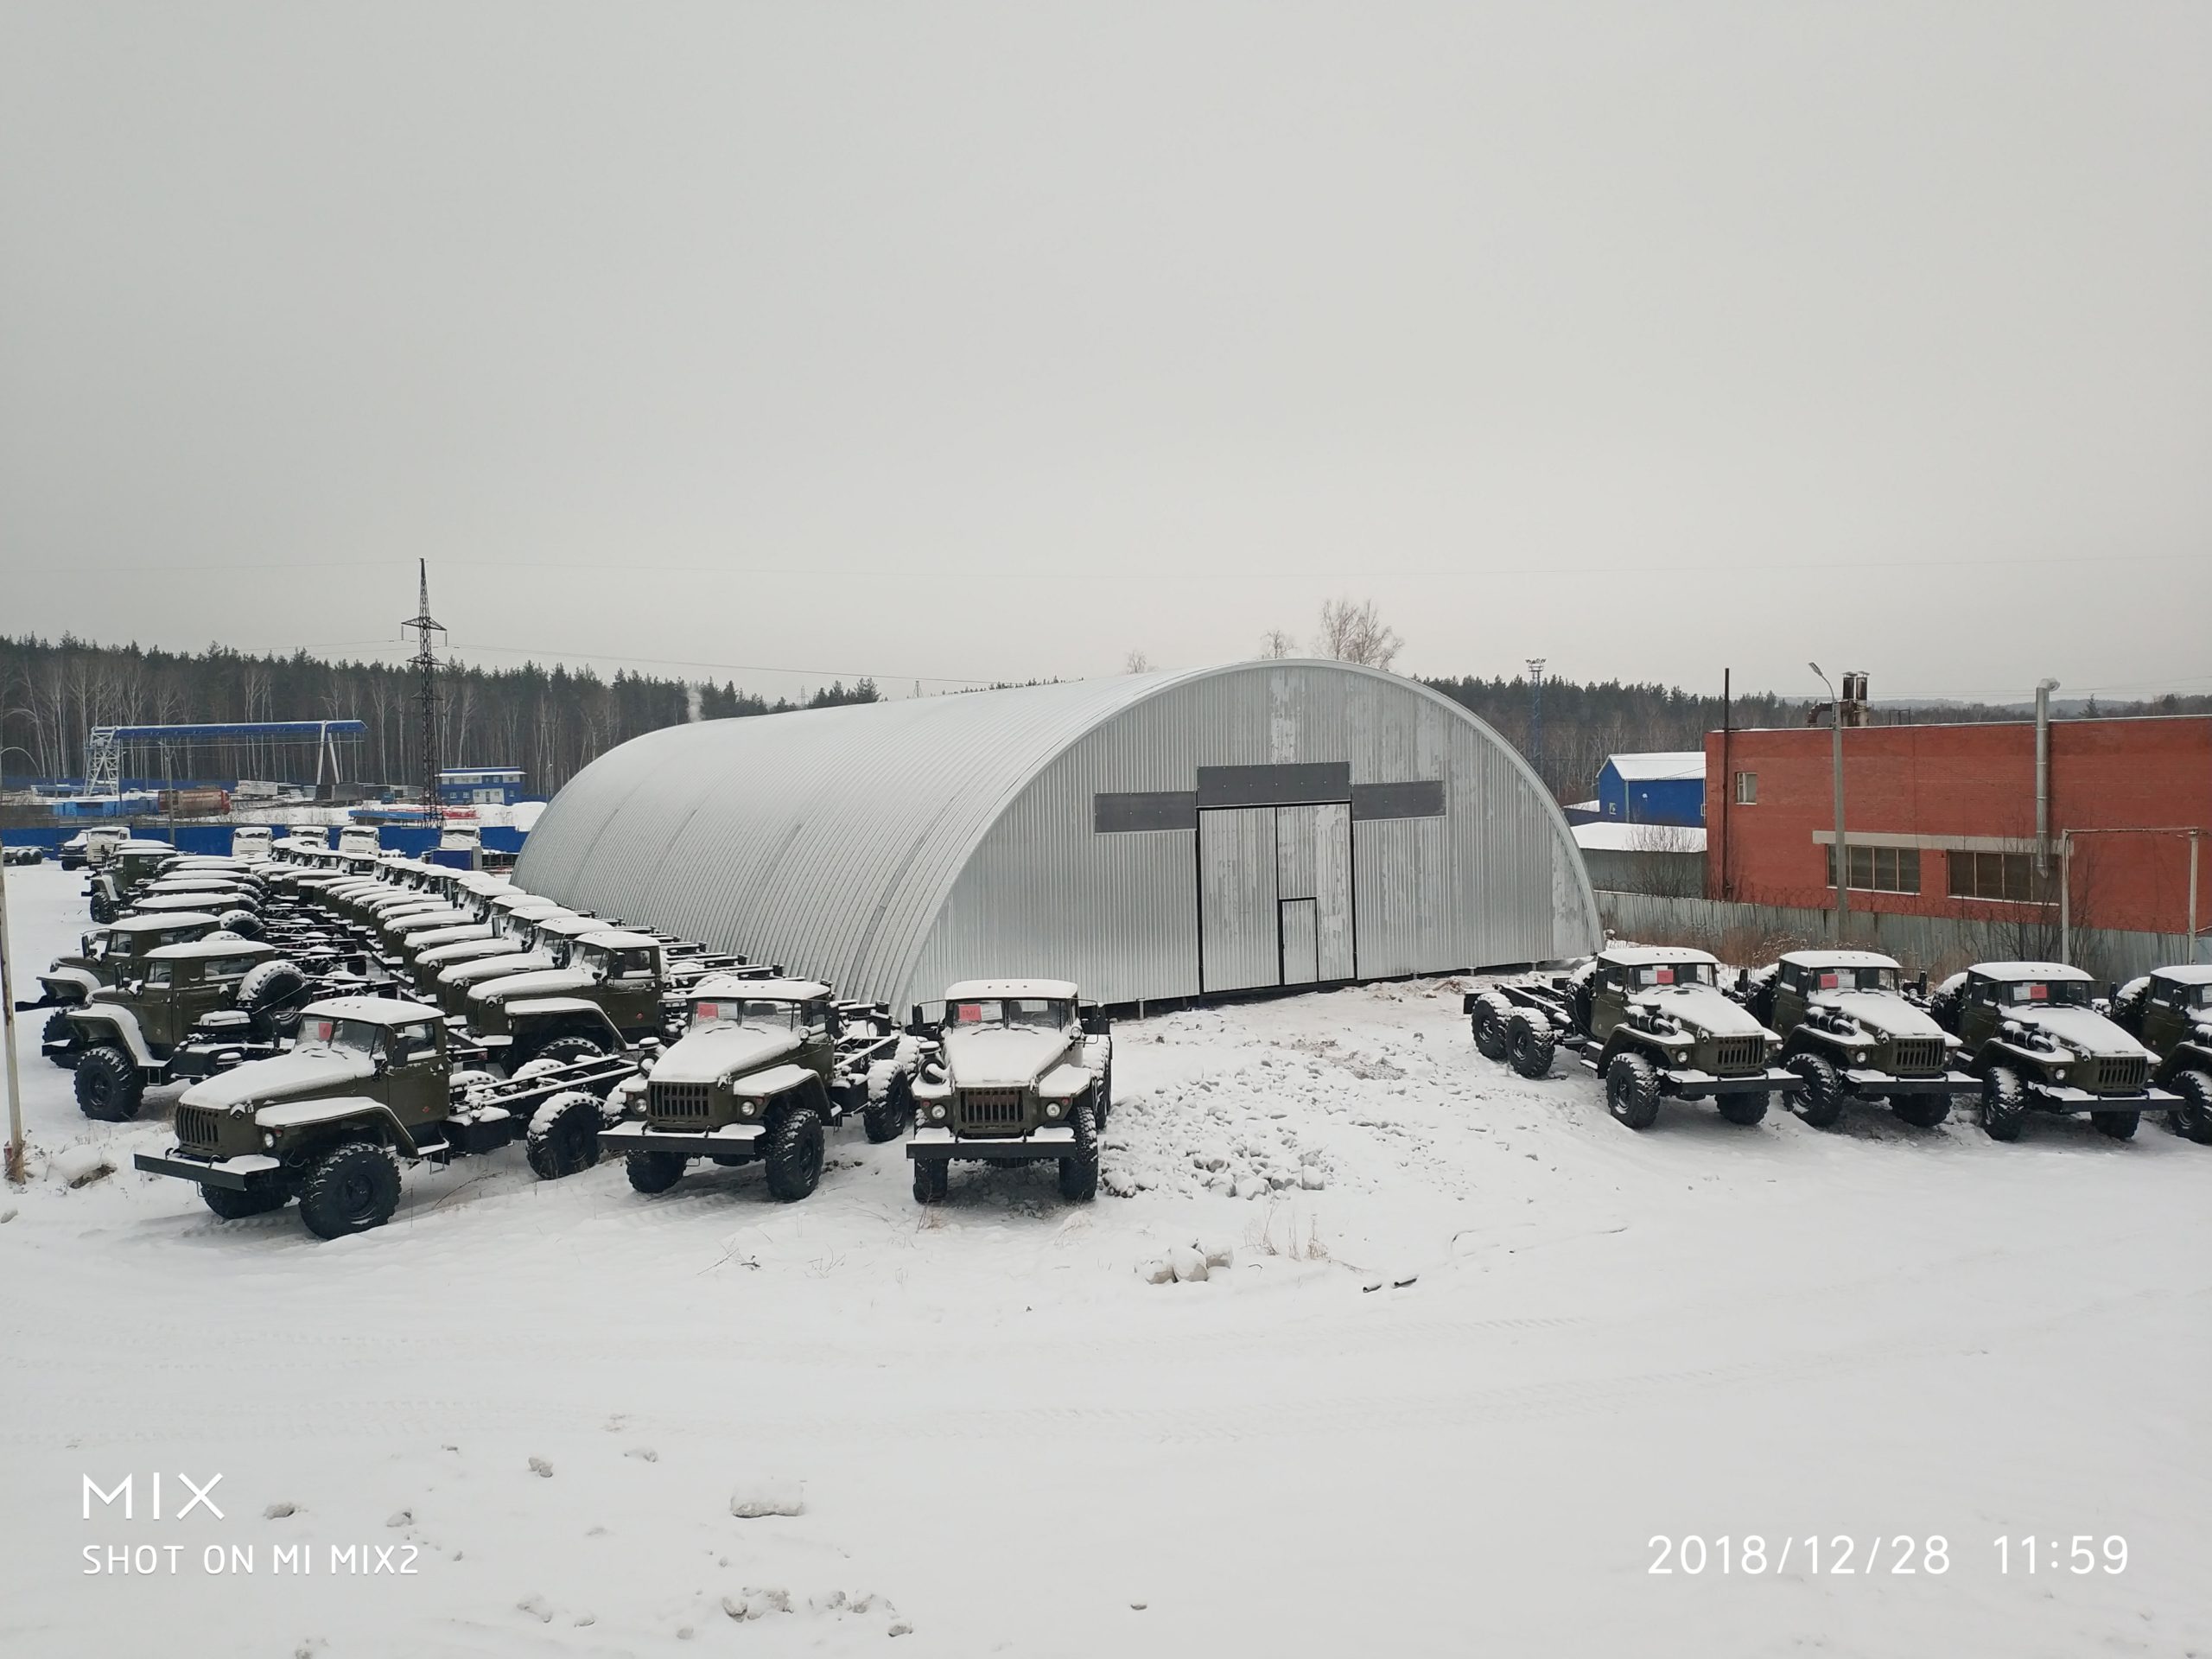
x: 427, y: 1013
x: 1828, y: 1030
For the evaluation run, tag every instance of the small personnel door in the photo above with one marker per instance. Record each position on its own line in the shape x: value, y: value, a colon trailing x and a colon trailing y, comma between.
x: 415, y: 1074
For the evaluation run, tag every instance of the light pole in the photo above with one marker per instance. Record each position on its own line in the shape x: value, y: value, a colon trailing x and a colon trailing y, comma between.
x: 16, y: 1170
x: 1842, y: 855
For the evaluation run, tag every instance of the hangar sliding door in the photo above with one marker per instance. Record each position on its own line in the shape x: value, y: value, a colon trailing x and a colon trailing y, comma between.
x: 1238, y: 942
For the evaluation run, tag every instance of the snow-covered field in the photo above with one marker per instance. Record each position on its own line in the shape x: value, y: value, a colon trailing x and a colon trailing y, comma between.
x: 1441, y: 1402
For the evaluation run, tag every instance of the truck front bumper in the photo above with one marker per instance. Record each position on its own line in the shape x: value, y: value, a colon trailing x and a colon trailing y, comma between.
x: 932, y: 1145
x: 2073, y: 1102
x: 248, y: 1173
x: 1882, y: 1083
x: 730, y: 1140
x: 1686, y: 1082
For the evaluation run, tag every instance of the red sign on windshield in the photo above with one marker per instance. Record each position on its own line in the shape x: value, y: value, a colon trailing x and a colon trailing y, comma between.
x: 970, y: 1013
x: 1663, y: 975
x: 1829, y: 982
x: 2038, y: 993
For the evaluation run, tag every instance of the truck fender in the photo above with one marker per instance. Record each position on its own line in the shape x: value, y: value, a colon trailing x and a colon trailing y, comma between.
x: 101, y: 1023
x: 80, y: 979
x: 343, y: 1110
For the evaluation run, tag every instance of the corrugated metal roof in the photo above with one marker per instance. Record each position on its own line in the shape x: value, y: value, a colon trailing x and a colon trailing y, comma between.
x: 1658, y: 765
x: 804, y: 837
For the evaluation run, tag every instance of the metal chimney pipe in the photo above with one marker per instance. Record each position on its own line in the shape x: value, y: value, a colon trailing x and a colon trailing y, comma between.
x: 2043, y: 689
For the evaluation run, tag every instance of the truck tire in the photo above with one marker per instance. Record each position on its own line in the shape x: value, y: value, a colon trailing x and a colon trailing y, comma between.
x: 887, y: 1119
x: 563, y: 1135
x: 933, y: 1180
x: 1528, y: 1046
x: 58, y: 1029
x: 352, y: 1188
x: 2120, y: 1126
x: 1922, y: 1111
x: 1487, y: 1021
x: 2193, y: 1116
x: 2004, y: 1103
x: 566, y: 1050
x: 231, y: 1205
x: 1632, y: 1091
x: 103, y: 909
x: 536, y: 1067
x: 109, y: 1086
x: 1819, y: 1102
x: 243, y: 923
x: 1080, y: 1174
x: 1744, y: 1109
x: 655, y: 1171
x: 794, y: 1152
x: 268, y: 991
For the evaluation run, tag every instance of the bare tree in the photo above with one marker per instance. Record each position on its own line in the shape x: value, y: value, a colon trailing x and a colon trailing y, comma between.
x: 1137, y: 663
x: 1357, y: 633
x: 1277, y: 644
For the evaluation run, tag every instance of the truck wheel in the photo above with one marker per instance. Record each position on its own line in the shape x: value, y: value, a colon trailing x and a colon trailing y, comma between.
x: 1528, y: 1046
x: 103, y: 909
x: 794, y: 1152
x: 1488, y: 1020
x: 109, y: 1086
x: 351, y: 1188
x: 2193, y: 1116
x: 1922, y: 1111
x: 2120, y: 1126
x: 243, y: 923
x: 1819, y: 1102
x: 655, y: 1171
x: 1080, y: 1174
x: 1747, y: 1109
x: 2004, y: 1103
x: 58, y: 1030
x: 567, y: 1051
x: 887, y: 1119
x: 1632, y: 1091
x: 230, y: 1205
x: 933, y: 1180
x: 563, y: 1137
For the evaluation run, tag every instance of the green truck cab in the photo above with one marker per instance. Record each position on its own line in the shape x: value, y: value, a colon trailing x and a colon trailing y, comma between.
x: 128, y: 866
x: 372, y: 1082
x: 2029, y: 1031
x: 1023, y: 1073
x: 129, y: 1036
x: 2169, y: 1011
x: 106, y: 955
x: 546, y: 943
x: 605, y: 995
x: 1850, y: 1034
x: 1654, y: 1023
x: 764, y: 1067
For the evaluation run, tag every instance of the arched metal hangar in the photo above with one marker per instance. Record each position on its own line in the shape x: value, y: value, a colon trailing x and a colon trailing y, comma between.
x: 1156, y: 836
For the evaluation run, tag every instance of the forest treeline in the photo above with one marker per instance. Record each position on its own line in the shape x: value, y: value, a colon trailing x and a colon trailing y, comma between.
x: 552, y: 721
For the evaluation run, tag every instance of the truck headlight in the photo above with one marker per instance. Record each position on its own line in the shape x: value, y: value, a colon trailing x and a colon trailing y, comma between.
x: 269, y: 1140
x: 747, y: 1108
x: 2058, y: 1074
x: 1858, y: 1057
x: 1052, y: 1109
x: 937, y: 1112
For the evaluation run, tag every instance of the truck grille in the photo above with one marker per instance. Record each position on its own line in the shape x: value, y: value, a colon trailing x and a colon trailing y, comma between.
x: 1916, y: 1054
x: 680, y: 1102
x: 2116, y: 1074
x: 199, y: 1128
x: 1732, y: 1054
x: 990, y: 1111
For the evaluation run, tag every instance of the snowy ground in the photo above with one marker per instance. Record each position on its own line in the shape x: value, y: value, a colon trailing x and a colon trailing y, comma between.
x: 549, y: 1396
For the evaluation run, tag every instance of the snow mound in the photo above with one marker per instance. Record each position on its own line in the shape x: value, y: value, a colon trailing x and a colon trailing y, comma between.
x: 754, y: 1499
x: 80, y: 1166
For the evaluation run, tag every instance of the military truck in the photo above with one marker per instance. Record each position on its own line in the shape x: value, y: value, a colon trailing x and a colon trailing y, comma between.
x: 128, y: 866
x: 372, y: 1082
x: 2029, y: 1031
x: 2170, y: 1011
x: 1651, y: 1020
x: 88, y: 849
x: 765, y: 1067
x: 546, y: 945
x: 1023, y: 1073
x: 129, y: 1036
x: 106, y: 955
x: 1850, y: 1034
x: 605, y: 996
x: 253, y: 841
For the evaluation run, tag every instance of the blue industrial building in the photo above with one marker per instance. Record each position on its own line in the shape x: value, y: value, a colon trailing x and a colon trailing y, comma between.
x: 1667, y: 786
x: 480, y: 785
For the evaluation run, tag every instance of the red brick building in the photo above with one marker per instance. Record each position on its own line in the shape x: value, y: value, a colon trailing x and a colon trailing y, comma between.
x: 1941, y: 820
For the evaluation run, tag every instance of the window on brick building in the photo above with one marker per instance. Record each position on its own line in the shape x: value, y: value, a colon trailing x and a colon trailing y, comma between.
x: 1747, y: 789
x: 1881, y: 870
x: 2006, y: 876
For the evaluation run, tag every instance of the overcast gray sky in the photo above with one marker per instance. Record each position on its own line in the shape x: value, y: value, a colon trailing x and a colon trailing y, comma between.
x: 994, y: 341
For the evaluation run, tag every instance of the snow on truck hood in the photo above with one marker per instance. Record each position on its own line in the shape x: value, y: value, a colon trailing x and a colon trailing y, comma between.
x: 303, y: 1068
x: 711, y: 1055
x: 535, y: 982
x: 2084, y: 1030
x: 1886, y: 1015
x: 476, y: 969
x: 1001, y: 1058
x: 1703, y: 1007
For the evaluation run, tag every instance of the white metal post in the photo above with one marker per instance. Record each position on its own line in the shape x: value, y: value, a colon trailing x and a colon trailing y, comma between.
x: 16, y: 1170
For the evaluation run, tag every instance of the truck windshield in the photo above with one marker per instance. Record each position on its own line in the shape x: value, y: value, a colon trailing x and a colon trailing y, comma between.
x: 347, y: 1036
x: 2054, y: 993
x: 1034, y: 1012
x: 1855, y: 979
x: 708, y: 1013
x: 1652, y: 975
